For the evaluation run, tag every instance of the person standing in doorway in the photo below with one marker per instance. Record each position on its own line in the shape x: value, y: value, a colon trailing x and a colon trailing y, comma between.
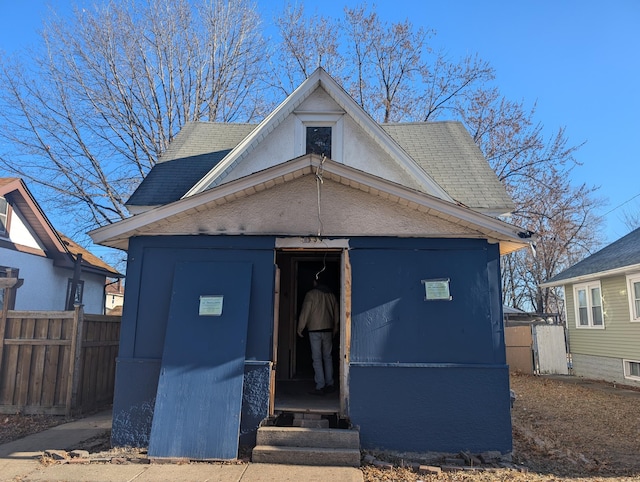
x: 320, y: 316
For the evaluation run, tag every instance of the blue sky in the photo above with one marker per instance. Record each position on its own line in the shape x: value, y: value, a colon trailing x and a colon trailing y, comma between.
x: 578, y: 59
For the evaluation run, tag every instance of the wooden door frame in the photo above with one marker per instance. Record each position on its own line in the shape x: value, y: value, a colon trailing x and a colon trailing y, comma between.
x: 306, y: 246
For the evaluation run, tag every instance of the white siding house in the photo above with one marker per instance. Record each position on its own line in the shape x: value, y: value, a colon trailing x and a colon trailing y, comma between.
x: 37, y: 264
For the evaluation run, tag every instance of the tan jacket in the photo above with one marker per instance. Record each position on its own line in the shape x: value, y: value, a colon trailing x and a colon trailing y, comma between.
x: 319, y: 312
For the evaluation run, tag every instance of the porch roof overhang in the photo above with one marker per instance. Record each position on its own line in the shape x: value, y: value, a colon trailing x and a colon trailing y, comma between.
x: 150, y: 223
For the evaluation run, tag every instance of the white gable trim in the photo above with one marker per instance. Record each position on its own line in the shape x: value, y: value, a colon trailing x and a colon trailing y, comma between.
x: 267, y: 125
x: 288, y: 106
x: 117, y: 234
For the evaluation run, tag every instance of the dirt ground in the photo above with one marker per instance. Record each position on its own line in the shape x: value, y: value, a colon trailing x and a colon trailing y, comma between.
x: 562, y: 431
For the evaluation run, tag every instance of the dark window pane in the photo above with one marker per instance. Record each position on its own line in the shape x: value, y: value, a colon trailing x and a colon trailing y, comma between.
x: 319, y: 141
x: 3, y: 214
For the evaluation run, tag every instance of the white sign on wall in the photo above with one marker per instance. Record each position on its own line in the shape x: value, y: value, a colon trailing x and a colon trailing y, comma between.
x: 436, y: 289
x: 211, y: 305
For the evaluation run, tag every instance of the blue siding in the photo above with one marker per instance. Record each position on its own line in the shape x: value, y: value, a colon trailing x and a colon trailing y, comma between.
x: 420, y: 408
x: 428, y: 375
x: 391, y: 321
x: 425, y: 375
x: 150, y: 271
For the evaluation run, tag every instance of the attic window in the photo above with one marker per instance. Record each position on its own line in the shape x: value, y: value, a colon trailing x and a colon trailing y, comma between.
x: 319, y: 141
x: 319, y: 133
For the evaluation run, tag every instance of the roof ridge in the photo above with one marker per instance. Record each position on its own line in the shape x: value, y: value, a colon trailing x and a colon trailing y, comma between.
x: 451, y: 121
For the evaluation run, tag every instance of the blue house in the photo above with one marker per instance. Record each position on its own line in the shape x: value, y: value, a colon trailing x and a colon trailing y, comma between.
x: 228, y: 231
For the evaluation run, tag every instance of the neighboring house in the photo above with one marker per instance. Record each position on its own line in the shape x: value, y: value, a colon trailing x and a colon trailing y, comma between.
x: 40, y: 263
x: 114, y: 297
x: 232, y: 224
x: 602, y: 303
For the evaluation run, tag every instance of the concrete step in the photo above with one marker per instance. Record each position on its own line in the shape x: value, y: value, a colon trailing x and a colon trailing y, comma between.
x: 309, y: 437
x: 337, y: 457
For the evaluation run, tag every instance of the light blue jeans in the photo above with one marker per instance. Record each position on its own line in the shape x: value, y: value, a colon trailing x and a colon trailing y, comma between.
x: 321, y: 345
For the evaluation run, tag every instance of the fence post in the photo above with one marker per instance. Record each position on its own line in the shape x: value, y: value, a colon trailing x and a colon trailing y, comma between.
x: 3, y: 327
x: 79, y: 359
x: 73, y: 355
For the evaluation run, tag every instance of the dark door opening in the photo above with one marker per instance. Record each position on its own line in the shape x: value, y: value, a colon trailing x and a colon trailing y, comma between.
x: 294, y: 370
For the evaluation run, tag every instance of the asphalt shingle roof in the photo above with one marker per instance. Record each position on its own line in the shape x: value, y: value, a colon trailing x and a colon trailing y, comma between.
x: 444, y: 150
x: 619, y: 254
x: 197, y: 148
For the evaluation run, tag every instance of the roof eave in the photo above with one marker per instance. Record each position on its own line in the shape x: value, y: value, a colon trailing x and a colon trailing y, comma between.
x: 511, y: 238
x: 623, y: 270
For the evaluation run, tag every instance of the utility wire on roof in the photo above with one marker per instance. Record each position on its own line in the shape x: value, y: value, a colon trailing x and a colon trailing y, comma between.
x: 319, y: 182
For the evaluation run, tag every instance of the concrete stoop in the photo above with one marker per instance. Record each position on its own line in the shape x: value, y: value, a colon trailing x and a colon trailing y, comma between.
x: 307, y: 446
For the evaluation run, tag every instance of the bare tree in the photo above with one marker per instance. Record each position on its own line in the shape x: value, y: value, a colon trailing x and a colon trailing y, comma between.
x: 389, y: 63
x: 388, y: 68
x: 396, y: 76
x: 631, y: 217
x: 307, y: 42
x: 537, y: 172
x: 112, y: 86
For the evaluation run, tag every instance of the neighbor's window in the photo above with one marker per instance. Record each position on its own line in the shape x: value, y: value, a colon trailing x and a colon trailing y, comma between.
x: 632, y: 369
x: 588, y: 301
x: 319, y: 141
x: 77, y: 299
x: 633, y: 283
x: 4, y: 214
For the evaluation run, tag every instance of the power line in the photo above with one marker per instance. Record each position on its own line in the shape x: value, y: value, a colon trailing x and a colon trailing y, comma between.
x: 622, y: 204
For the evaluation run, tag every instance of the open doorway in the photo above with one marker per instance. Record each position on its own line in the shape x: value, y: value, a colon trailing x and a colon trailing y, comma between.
x: 294, y: 370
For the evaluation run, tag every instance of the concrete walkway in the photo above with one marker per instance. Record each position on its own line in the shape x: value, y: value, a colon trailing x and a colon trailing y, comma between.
x: 20, y: 460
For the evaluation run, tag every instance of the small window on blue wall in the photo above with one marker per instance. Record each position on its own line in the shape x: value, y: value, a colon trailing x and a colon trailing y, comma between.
x: 319, y: 141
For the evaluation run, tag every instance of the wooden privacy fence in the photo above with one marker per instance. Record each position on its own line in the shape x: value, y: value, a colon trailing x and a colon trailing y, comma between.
x: 57, y: 362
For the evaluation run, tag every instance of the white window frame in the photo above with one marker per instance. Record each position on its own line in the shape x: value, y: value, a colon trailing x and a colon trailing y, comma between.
x: 320, y: 119
x: 634, y: 312
x: 588, y: 287
x: 627, y: 369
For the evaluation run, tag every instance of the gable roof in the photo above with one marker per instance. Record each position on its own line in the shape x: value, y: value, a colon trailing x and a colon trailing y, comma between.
x: 619, y: 257
x: 440, y: 157
x: 442, y: 149
x: 320, y: 79
x: 155, y: 221
x: 60, y: 248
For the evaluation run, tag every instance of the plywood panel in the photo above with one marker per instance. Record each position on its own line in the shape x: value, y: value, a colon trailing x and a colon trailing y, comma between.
x: 199, y: 398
